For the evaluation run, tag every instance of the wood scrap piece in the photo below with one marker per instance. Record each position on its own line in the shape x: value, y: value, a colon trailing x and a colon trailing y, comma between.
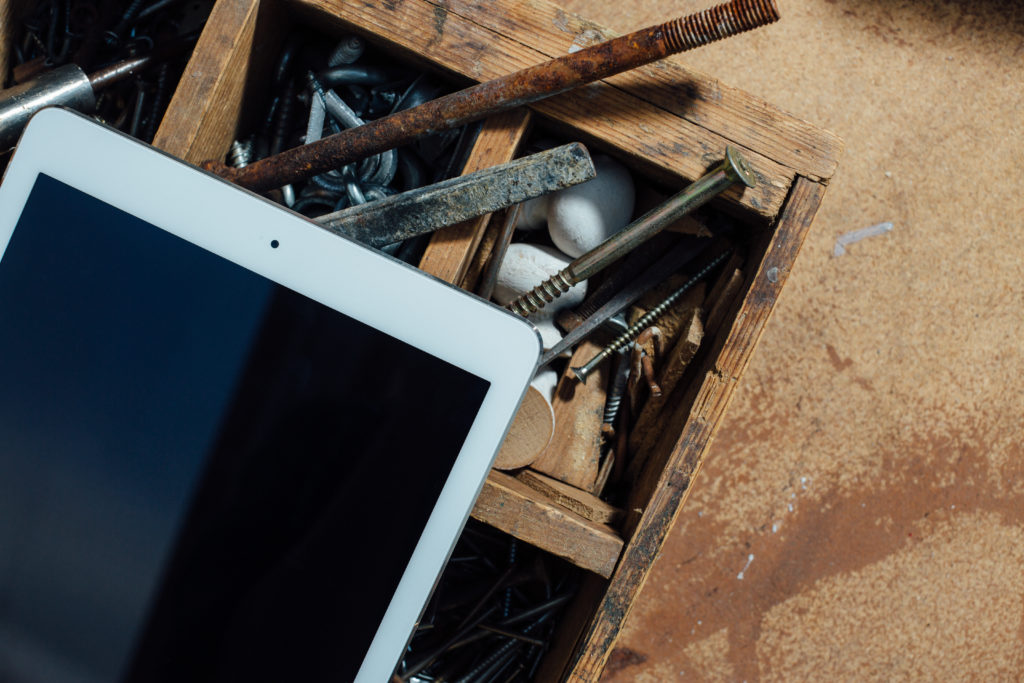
x: 529, y: 434
x: 7, y: 25
x: 722, y: 294
x: 605, y: 473
x: 516, y: 509
x: 203, y: 114
x: 676, y: 361
x: 583, y: 503
x: 674, y: 318
x: 574, y: 454
x: 478, y: 262
x: 450, y: 252
x: 649, y: 440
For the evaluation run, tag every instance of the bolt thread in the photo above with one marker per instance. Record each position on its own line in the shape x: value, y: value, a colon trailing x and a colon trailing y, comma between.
x: 646, y: 320
x: 716, y: 23
x: 348, y: 50
x: 542, y: 294
x: 611, y: 408
x: 241, y: 154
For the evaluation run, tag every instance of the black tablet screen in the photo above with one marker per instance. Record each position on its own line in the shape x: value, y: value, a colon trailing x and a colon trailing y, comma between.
x: 203, y: 475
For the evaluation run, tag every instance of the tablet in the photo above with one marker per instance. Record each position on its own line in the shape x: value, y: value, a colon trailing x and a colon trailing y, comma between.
x: 233, y: 446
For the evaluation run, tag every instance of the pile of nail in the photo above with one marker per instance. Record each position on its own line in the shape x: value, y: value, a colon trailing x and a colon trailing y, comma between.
x: 97, y: 33
x: 319, y: 88
x: 492, y: 615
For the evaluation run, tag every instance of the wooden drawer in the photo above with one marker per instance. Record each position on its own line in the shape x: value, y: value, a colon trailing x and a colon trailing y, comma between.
x: 667, y: 123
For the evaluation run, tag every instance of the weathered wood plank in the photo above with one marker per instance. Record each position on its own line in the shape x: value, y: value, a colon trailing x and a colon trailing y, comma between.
x: 451, y: 249
x: 583, y: 503
x: 574, y: 454
x: 202, y: 117
x: 518, y: 510
x: 668, y: 484
x: 721, y: 110
x: 660, y: 144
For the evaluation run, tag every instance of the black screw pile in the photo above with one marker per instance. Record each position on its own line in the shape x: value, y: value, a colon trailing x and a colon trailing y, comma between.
x: 492, y: 615
x: 320, y: 87
x: 98, y: 33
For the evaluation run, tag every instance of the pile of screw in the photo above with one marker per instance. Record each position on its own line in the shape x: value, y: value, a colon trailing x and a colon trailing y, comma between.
x: 320, y: 88
x: 492, y: 614
x: 97, y: 33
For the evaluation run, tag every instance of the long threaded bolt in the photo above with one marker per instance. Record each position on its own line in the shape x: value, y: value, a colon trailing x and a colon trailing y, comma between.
x: 646, y: 320
x: 734, y: 168
x: 501, y: 94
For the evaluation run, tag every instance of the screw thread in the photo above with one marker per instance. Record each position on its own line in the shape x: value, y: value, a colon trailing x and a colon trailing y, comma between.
x: 646, y: 320
x: 240, y: 155
x: 542, y: 294
x: 611, y: 407
x: 716, y: 23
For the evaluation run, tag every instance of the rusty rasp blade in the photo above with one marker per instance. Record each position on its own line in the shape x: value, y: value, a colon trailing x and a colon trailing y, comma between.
x: 452, y: 201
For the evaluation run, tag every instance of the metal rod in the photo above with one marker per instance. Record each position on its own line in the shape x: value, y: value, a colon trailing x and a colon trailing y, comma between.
x: 503, y: 93
x: 732, y: 170
x: 116, y: 72
x: 429, y: 208
x: 66, y: 86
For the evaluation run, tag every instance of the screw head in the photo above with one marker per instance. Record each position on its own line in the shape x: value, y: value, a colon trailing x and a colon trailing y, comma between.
x: 740, y: 166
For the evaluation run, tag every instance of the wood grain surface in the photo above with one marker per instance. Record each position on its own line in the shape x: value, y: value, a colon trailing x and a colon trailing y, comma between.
x: 203, y: 115
x: 517, y: 509
x: 451, y: 250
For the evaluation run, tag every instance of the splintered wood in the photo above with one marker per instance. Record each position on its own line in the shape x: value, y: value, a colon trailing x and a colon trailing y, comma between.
x: 645, y: 429
x: 582, y: 503
x: 529, y: 434
x: 450, y: 253
x: 652, y: 424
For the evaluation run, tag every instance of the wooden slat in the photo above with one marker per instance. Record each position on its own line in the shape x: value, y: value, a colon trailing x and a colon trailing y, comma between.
x: 570, y: 626
x: 669, y: 482
x: 574, y: 454
x: 659, y: 144
x: 583, y: 503
x: 451, y: 249
x: 518, y: 510
x: 734, y: 114
x: 6, y: 36
x: 203, y: 114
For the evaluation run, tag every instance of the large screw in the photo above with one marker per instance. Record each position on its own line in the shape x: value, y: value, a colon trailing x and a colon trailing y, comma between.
x: 731, y: 170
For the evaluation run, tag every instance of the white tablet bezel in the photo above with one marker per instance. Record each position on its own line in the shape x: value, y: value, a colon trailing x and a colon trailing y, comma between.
x: 349, y: 277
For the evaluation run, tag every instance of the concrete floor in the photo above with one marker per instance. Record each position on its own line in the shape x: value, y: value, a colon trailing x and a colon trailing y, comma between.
x: 861, y: 514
